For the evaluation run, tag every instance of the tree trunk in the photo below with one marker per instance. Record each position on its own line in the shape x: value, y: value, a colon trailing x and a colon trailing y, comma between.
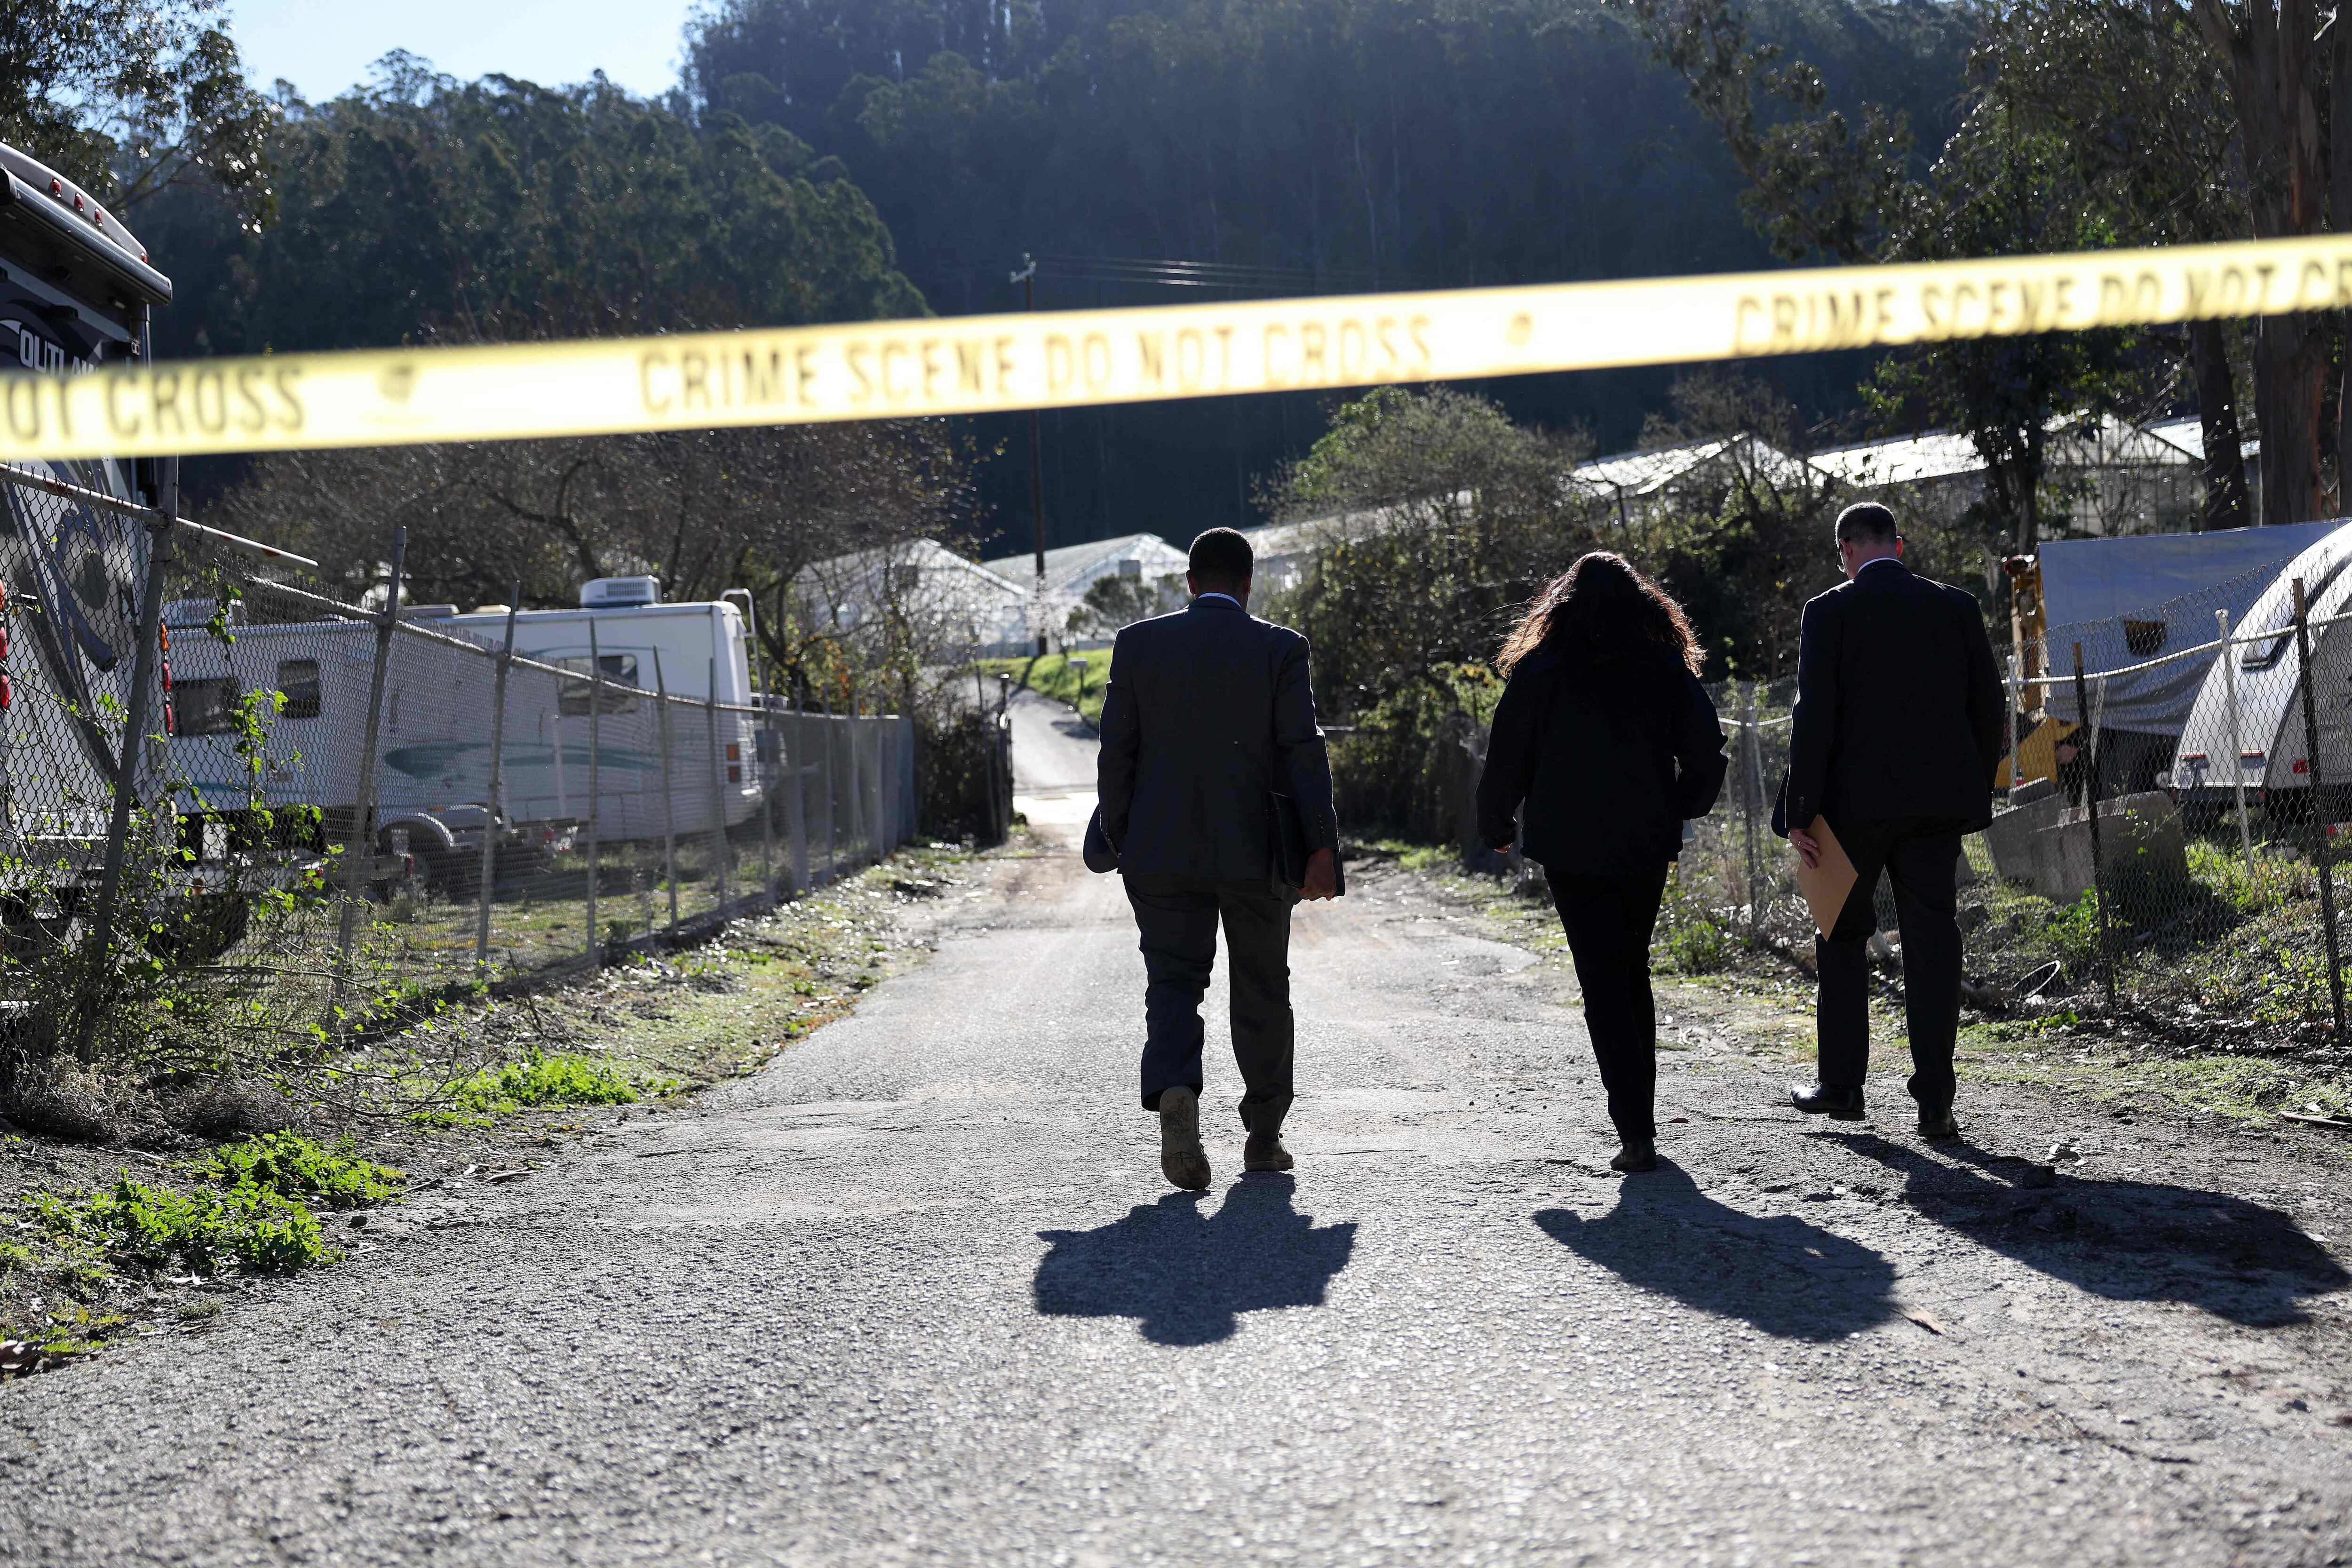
x: 2217, y: 413
x: 2272, y: 66
x: 2290, y: 376
x: 2339, y: 204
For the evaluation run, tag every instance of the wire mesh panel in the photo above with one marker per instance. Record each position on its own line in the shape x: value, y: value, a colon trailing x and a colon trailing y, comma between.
x: 2198, y: 889
x: 1732, y: 881
x: 333, y: 812
x: 74, y: 576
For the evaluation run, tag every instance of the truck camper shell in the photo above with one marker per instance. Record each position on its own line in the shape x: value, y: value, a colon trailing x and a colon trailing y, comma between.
x: 76, y: 292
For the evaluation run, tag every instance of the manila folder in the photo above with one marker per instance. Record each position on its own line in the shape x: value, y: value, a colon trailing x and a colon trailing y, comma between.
x: 1827, y: 885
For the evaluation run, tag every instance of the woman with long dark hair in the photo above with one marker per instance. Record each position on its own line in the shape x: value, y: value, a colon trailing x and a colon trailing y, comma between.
x: 1609, y: 743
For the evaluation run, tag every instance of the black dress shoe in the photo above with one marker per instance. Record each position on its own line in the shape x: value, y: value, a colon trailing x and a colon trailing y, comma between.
x: 1264, y: 1152
x: 1821, y: 1099
x: 1936, y: 1124
x: 1638, y: 1156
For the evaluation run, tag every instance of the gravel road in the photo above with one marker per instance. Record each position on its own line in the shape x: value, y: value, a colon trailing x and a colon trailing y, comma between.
x: 917, y: 1293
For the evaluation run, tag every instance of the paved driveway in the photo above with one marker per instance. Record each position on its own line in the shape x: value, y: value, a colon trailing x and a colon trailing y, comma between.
x: 918, y: 1294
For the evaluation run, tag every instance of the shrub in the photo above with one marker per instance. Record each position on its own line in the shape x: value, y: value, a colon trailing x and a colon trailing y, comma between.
x: 1698, y: 946
x: 293, y: 1166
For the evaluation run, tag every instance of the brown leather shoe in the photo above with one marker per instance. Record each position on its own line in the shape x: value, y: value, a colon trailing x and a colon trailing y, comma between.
x: 1181, y: 1159
x: 1264, y: 1152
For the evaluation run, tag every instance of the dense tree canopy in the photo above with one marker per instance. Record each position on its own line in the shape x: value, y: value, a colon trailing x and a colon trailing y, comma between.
x: 424, y: 209
x: 1298, y: 144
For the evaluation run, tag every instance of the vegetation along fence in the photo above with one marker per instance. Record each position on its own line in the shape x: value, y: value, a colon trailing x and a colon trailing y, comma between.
x: 330, y: 811
x: 2186, y: 879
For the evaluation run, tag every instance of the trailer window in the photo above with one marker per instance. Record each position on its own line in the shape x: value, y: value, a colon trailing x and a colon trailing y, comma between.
x: 2259, y: 658
x: 620, y: 672
x: 297, y: 678
x: 205, y: 706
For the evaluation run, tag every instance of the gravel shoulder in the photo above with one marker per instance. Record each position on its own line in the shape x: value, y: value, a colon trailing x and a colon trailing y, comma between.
x: 913, y: 1291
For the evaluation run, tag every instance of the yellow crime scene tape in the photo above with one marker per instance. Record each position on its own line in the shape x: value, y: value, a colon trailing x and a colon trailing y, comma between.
x: 976, y: 364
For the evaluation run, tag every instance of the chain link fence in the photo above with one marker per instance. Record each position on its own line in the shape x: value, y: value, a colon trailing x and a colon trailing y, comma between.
x: 339, y: 810
x: 2187, y: 880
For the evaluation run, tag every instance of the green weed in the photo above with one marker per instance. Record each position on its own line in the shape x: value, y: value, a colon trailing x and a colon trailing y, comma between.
x: 248, y: 1226
x: 79, y: 1332
x: 1688, y: 938
x: 563, y: 1078
x: 293, y: 1166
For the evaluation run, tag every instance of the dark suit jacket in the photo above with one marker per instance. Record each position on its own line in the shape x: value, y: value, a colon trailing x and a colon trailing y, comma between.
x: 1898, y: 708
x: 1209, y: 713
x: 1610, y: 756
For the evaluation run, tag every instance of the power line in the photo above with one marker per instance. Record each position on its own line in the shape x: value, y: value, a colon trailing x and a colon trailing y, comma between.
x: 1238, y: 277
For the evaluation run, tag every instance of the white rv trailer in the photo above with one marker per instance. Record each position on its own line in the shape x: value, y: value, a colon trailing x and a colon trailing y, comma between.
x: 2270, y: 752
x: 432, y: 754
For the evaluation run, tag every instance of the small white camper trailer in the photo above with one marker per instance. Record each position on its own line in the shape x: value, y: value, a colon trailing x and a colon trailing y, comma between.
x: 433, y: 752
x: 2267, y: 747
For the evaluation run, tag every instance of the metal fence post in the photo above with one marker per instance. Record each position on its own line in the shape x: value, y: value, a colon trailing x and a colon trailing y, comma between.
x: 1001, y: 757
x: 831, y: 793
x: 877, y: 785
x: 596, y: 791
x: 988, y: 758
x: 718, y: 788
x: 670, y: 802
x: 97, y: 975
x: 1751, y: 787
x: 774, y: 748
x: 490, y: 824
x: 2319, y: 836
x: 2091, y: 803
x: 2237, y: 747
x: 796, y: 809
x: 362, y: 837
x: 2015, y: 696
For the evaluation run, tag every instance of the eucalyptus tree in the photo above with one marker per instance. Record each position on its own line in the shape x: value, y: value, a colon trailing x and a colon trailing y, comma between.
x: 131, y: 96
x: 1824, y: 183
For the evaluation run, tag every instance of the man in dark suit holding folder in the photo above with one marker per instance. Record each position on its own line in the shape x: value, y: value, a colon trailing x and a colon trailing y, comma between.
x: 1211, y: 761
x: 1893, y: 744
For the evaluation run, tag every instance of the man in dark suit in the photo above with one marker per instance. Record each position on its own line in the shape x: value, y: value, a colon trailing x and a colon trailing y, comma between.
x: 1207, y: 718
x: 1894, y: 743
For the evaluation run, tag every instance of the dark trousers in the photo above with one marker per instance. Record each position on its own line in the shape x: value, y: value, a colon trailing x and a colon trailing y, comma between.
x: 1922, y: 859
x: 1177, y: 918
x: 1608, y: 921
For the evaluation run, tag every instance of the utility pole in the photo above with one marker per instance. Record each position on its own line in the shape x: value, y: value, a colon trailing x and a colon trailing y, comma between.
x: 1027, y: 278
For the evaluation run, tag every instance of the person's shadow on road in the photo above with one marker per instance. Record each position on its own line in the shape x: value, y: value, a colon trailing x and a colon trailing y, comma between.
x: 1187, y: 1276
x: 1785, y: 1276
x: 2124, y: 1240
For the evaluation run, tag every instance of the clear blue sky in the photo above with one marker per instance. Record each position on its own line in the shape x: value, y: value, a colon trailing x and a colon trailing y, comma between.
x: 325, y: 45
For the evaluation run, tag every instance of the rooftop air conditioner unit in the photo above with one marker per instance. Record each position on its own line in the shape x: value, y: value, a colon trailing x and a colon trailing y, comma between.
x: 616, y: 592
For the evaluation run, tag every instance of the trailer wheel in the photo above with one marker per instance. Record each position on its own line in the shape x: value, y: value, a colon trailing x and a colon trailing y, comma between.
x: 201, y: 928
x: 25, y: 937
x: 455, y: 875
x: 521, y: 862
